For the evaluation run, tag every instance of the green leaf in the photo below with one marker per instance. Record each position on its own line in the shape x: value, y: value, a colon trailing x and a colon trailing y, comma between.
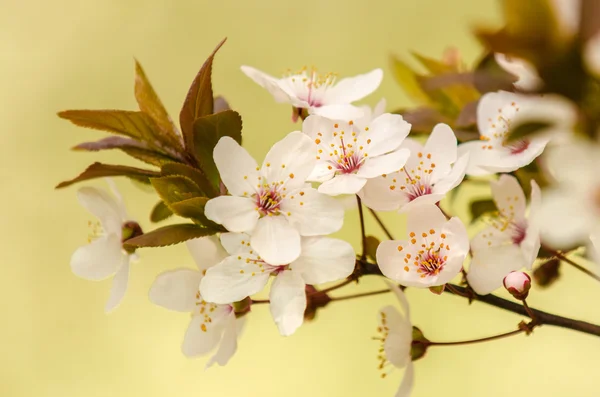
x: 136, y: 125
x: 136, y: 149
x: 160, y: 212
x: 434, y: 66
x: 408, y: 80
x: 192, y: 173
x: 169, y: 235
x: 371, y: 244
x: 99, y: 170
x: 175, y: 188
x: 207, y: 132
x: 149, y: 103
x: 199, y: 101
x: 481, y: 207
x: 526, y: 130
x: 194, y: 209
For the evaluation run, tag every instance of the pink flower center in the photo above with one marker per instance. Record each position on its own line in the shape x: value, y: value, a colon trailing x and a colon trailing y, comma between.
x: 430, y: 263
x: 518, y: 146
x: 518, y: 232
x: 417, y: 190
x: 348, y: 160
x: 268, y: 201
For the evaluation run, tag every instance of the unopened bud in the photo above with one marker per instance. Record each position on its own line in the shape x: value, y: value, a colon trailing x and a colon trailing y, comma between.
x: 518, y: 284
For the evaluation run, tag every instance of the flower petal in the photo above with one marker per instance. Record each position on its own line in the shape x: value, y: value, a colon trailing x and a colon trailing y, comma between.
x: 276, y: 240
x: 401, y: 298
x: 237, y: 277
x: 509, y: 197
x: 384, y: 164
x: 119, y: 286
x: 200, y: 340
x: 99, y: 259
x: 237, y: 214
x: 236, y: 167
x: 236, y: 243
x: 386, y: 133
x: 425, y: 200
x: 390, y: 259
x: 268, y: 82
x: 442, y: 146
x: 313, y: 213
x: 342, y: 184
x: 206, y: 251
x: 490, y: 237
x: 322, y: 172
x: 487, y: 108
x: 228, y: 345
x: 104, y: 207
x: 505, y: 161
x: 337, y: 111
x: 527, y: 77
x: 398, y: 341
x: 378, y: 195
x: 424, y: 218
x: 530, y: 246
x: 454, y: 178
x: 290, y: 161
x: 176, y: 290
x: 288, y: 301
x: 407, y: 381
x: 324, y: 259
x: 490, y: 266
x: 352, y: 89
x: 479, y: 157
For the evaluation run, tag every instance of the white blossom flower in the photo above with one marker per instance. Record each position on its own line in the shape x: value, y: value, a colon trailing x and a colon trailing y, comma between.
x: 433, y: 255
x: 319, y: 94
x: 273, y: 203
x: 104, y: 256
x: 430, y: 172
x: 245, y: 273
x: 211, y: 324
x: 527, y: 77
x: 396, y: 341
x: 570, y: 211
x: 511, y: 241
x: 497, y: 114
x: 347, y: 156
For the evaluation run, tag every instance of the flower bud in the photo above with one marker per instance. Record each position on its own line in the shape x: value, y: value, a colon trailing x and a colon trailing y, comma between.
x: 518, y: 284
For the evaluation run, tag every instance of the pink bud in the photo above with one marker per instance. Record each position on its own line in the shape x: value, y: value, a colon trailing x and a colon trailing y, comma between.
x: 518, y: 284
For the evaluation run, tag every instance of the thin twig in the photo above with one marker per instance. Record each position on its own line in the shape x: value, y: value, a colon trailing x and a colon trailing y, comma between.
x: 363, y: 294
x: 334, y: 287
x: 468, y: 342
x: 576, y: 265
x: 381, y: 225
x: 363, y: 255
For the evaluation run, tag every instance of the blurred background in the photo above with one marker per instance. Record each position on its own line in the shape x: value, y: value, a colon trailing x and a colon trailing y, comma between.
x: 56, y: 339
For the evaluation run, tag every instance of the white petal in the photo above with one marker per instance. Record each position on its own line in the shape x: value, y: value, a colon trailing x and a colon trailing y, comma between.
x: 386, y: 133
x: 407, y: 381
x: 99, y: 259
x: 454, y: 178
x: 268, y: 82
x: 342, y: 184
x: 288, y: 301
x: 103, y: 206
x: 385, y: 164
x: 425, y: 200
x: 379, y: 109
x: 354, y: 88
x: 490, y: 266
x: 505, y: 161
x: 313, y: 213
x: 206, y: 251
x: 442, y: 146
x: 236, y: 243
x: 337, y: 112
x: 490, y: 237
x: 531, y: 244
x: 488, y: 106
x: 236, y: 167
x: 390, y: 260
x: 290, y: 160
x: 322, y: 172
x: 237, y: 277
x: 574, y: 165
x: 176, y: 290
x: 324, y: 259
x: 196, y: 341
x: 276, y: 240
x: 377, y: 194
x: 527, y: 77
x: 424, y: 218
x: 118, y: 198
x: 228, y: 345
x: 401, y: 298
x: 479, y: 157
x: 119, y: 286
x: 509, y: 197
x: 399, y: 338
x: 237, y: 214
x: 315, y: 124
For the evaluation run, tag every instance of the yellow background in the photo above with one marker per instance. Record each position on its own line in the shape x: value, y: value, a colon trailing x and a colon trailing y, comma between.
x: 55, y: 338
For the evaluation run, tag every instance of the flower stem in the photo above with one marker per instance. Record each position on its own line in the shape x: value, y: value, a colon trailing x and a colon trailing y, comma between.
x: 576, y: 265
x: 381, y: 225
x: 468, y: 342
x: 363, y: 255
x: 361, y: 295
x: 334, y: 287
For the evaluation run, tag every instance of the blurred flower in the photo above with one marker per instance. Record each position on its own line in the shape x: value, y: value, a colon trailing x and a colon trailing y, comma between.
x: 104, y: 256
x: 518, y: 284
x: 245, y: 273
x: 211, y: 324
x: 347, y: 156
x: 396, y: 340
x: 273, y: 203
x: 433, y: 255
x: 425, y: 178
x: 498, y: 113
x: 527, y: 77
x: 570, y: 211
x: 320, y: 94
x: 512, y: 240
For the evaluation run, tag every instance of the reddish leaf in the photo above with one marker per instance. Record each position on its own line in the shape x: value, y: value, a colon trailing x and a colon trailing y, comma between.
x: 169, y: 235
x: 199, y: 100
x: 192, y: 173
x: 136, y: 125
x: 99, y: 170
